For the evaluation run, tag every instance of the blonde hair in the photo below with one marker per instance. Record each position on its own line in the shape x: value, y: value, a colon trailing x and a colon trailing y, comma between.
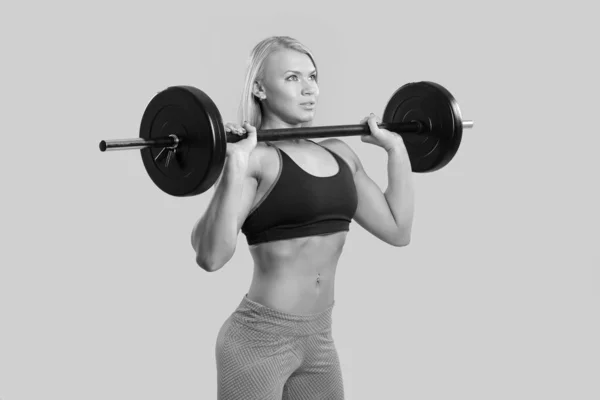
x: 250, y: 107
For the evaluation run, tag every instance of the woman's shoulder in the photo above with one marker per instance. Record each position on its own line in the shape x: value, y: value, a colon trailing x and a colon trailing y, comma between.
x: 343, y: 150
x: 262, y: 158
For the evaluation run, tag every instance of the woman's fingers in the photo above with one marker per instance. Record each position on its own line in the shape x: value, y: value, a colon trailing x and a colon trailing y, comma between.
x: 370, y: 117
x: 372, y: 122
x: 234, y: 128
x: 250, y: 130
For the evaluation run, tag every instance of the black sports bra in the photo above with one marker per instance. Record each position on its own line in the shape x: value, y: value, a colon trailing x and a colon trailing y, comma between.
x: 299, y: 204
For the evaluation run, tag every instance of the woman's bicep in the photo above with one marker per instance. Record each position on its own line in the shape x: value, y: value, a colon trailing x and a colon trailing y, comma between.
x: 373, y: 211
x: 249, y: 189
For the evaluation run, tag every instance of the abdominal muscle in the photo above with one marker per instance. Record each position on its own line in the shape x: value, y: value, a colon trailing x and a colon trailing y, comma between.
x: 296, y: 276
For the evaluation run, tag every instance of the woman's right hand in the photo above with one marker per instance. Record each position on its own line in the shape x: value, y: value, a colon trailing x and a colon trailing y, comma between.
x: 245, y: 146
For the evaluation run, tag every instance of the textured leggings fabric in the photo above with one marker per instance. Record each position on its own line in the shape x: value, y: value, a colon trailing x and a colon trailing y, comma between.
x: 267, y: 354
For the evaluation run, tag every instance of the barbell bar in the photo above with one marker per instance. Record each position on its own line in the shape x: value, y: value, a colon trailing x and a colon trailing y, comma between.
x: 275, y: 134
x: 183, y: 140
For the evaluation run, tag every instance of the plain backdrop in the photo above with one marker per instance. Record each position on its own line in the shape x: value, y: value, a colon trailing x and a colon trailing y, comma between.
x: 497, y: 296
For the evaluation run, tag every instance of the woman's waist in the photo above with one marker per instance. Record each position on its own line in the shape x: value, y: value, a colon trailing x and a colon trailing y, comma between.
x: 277, y: 318
x: 293, y: 294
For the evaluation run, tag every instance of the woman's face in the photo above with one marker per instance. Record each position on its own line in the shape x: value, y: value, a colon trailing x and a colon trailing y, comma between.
x: 290, y: 87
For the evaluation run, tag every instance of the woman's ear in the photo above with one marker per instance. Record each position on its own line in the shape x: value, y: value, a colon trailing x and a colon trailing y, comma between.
x: 259, y: 91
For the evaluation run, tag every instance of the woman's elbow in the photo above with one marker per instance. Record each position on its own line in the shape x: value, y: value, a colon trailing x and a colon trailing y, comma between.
x: 211, y: 262
x: 402, y: 238
x: 400, y: 241
x: 403, y: 242
x: 204, y: 263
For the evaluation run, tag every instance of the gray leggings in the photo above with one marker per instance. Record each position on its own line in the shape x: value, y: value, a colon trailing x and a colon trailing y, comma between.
x: 267, y: 354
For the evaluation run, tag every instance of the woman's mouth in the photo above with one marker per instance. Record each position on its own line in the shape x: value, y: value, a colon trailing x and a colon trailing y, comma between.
x: 308, y: 106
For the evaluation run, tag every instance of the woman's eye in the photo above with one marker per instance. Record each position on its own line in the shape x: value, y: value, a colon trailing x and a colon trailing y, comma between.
x: 294, y: 77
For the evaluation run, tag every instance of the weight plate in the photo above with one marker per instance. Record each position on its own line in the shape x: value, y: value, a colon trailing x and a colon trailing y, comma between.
x: 435, y: 107
x: 198, y: 160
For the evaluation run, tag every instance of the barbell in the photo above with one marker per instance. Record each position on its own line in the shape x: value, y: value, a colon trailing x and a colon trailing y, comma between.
x: 183, y: 140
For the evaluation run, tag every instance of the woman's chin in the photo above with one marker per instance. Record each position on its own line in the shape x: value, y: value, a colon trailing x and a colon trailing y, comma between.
x: 306, y: 118
x: 300, y: 119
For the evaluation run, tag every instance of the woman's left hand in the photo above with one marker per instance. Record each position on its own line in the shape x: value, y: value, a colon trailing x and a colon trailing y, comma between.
x: 379, y: 136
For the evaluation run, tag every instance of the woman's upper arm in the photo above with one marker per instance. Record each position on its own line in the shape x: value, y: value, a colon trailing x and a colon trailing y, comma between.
x: 250, y: 186
x: 373, y: 212
x: 248, y: 195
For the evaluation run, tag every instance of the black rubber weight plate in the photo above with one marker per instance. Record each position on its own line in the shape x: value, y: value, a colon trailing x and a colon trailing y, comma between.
x: 190, y: 114
x: 433, y: 105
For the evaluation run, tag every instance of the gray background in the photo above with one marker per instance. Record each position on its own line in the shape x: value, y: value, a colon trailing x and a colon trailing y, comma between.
x: 497, y: 296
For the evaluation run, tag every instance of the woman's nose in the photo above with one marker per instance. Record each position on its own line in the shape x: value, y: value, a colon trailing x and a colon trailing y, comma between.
x: 309, y: 88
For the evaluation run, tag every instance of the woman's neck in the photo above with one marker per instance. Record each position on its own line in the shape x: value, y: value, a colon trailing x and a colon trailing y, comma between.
x: 277, y: 124
x: 271, y: 124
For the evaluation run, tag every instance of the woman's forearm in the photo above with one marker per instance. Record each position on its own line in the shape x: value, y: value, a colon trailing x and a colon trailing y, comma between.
x: 400, y: 194
x: 214, y: 236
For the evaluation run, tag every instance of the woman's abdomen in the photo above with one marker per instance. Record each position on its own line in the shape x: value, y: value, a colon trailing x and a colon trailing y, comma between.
x: 300, y: 281
x: 293, y: 295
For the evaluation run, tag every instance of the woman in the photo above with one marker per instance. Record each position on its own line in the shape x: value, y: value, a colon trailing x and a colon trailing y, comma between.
x: 294, y: 201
